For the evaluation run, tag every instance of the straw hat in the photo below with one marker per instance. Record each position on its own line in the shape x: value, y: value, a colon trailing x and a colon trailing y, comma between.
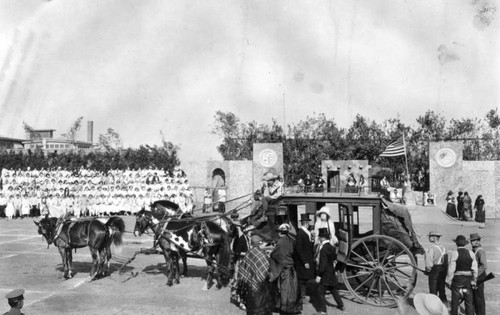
x: 429, y: 304
x: 433, y: 233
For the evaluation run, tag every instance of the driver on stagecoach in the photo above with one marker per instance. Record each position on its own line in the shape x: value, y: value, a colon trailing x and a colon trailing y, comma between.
x: 272, y: 190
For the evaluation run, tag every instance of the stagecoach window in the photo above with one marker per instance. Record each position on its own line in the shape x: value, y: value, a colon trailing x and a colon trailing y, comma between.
x: 364, y: 219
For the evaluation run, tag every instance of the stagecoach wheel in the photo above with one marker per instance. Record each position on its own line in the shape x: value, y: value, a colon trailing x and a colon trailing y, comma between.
x: 380, y: 270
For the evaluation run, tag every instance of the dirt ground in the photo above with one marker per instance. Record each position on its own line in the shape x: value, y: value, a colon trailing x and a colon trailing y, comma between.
x: 25, y: 262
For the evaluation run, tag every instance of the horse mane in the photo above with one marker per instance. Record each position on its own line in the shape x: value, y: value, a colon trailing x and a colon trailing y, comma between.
x: 49, y: 222
x: 214, y: 227
x: 166, y: 203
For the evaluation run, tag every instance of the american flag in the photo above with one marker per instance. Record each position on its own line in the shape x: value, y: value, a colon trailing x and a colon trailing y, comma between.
x: 395, y: 148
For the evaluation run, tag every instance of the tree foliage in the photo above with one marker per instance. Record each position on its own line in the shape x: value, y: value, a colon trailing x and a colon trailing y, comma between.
x: 316, y: 138
x: 110, y: 140
x: 73, y: 130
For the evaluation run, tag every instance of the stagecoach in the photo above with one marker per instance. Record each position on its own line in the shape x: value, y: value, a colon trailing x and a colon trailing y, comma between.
x: 377, y: 243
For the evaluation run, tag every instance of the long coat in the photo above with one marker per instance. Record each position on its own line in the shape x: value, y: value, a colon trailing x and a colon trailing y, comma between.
x: 326, y: 271
x: 304, y: 254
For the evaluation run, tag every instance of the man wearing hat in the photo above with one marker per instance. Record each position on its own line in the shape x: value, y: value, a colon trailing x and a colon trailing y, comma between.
x: 271, y: 191
x: 239, y: 248
x: 462, y: 273
x: 478, y: 292
x: 435, y: 265
x: 256, y: 216
x: 16, y: 302
x: 304, y: 254
x: 326, y: 278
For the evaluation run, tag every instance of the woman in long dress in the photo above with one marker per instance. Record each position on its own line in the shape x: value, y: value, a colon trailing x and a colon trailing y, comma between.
x: 480, y: 212
x: 451, y: 208
x: 10, y: 210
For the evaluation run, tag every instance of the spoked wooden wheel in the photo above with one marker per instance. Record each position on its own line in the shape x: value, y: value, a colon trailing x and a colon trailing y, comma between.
x: 380, y: 271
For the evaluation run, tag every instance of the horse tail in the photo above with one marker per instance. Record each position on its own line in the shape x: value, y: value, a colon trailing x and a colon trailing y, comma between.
x: 117, y: 225
x: 225, y: 259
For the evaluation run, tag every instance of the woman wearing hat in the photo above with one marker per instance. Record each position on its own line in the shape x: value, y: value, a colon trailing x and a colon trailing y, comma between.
x: 480, y: 213
x: 253, y: 280
x: 324, y: 221
x: 451, y: 208
x: 462, y: 273
x: 478, y: 292
x: 283, y: 274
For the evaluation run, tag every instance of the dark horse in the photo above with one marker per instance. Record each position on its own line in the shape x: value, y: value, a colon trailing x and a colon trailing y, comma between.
x: 178, y: 235
x: 98, y: 236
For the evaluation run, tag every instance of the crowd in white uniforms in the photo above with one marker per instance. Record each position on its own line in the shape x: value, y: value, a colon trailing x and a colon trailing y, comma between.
x: 85, y: 192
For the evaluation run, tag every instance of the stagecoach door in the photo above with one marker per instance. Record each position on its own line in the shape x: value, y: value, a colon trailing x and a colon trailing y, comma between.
x: 345, y: 232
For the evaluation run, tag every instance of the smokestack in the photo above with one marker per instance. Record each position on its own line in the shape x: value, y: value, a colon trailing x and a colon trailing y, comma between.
x: 90, y: 131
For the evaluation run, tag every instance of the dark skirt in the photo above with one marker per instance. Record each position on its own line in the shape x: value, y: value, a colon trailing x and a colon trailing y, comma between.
x: 451, y: 210
x: 260, y: 302
x: 288, y: 299
x: 480, y: 216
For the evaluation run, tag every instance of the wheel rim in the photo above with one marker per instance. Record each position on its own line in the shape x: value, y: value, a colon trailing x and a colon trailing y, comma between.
x: 380, y: 271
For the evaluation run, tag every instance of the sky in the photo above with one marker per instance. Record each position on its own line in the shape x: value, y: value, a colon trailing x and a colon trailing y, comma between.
x: 141, y: 67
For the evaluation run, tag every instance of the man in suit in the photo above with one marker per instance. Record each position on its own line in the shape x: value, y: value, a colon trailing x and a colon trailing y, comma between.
x: 326, y: 278
x: 304, y: 254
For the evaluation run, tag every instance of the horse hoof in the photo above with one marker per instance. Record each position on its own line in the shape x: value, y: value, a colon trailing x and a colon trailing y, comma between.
x: 177, y: 281
x: 169, y: 283
x: 205, y: 287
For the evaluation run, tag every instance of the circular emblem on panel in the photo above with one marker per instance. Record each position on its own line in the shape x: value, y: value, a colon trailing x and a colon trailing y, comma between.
x: 446, y: 157
x: 268, y: 157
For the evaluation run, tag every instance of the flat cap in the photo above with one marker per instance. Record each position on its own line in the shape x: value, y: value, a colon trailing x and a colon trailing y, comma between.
x: 16, y: 295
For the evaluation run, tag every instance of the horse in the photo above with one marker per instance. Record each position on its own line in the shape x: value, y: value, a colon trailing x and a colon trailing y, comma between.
x: 178, y: 235
x: 98, y: 236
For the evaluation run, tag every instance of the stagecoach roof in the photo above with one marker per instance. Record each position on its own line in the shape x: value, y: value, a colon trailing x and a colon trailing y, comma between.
x: 355, y: 199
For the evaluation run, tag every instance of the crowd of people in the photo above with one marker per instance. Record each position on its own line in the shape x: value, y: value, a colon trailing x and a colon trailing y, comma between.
x: 462, y: 270
x: 280, y: 278
x: 85, y: 192
x: 462, y: 208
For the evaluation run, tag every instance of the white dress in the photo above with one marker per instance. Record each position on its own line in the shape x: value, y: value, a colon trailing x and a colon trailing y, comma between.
x: 10, y: 210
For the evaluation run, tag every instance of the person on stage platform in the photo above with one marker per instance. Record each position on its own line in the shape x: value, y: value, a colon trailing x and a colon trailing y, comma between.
x: 480, y: 212
x: 468, y: 207
x: 451, y: 208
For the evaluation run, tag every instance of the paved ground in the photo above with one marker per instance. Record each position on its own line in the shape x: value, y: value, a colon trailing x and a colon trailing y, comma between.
x: 25, y: 262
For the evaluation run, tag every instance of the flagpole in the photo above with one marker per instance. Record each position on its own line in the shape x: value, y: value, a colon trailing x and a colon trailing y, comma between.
x: 406, y: 161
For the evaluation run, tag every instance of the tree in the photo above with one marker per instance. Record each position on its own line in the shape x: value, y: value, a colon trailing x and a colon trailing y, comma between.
x: 73, y: 130
x: 31, y: 132
x: 110, y: 140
